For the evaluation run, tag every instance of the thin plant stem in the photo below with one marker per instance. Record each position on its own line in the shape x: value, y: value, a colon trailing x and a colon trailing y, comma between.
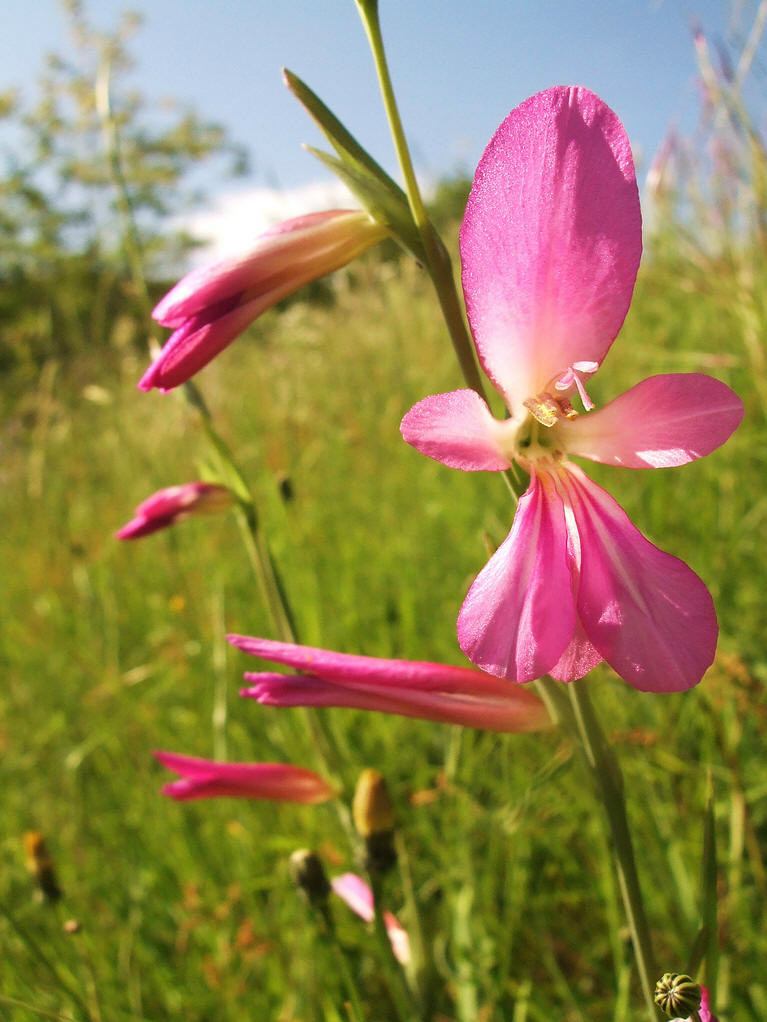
x: 609, y: 780
x: 348, y: 978
x: 438, y: 261
x: 402, y: 995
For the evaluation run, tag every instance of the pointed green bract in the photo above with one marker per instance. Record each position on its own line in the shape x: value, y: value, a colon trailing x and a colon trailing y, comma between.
x: 381, y: 196
x: 708, y: 886
x: 376, y: 199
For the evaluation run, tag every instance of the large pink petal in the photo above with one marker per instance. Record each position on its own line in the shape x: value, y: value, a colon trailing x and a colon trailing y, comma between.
x: 646, y: 612
x: 663, y: 421
x: 551, y: 240
x: 519, y: 615
x: 457, y: 429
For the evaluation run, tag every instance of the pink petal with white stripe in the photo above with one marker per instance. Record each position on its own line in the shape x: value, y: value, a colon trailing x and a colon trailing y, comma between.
x: 645, y: 611
x: 457, y: 429
x: 551, y: 241
x: 663, y: 421
x: 519, y: 615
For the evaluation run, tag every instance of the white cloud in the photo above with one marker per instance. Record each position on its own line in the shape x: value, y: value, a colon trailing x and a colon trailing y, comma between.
x: 232, y: 221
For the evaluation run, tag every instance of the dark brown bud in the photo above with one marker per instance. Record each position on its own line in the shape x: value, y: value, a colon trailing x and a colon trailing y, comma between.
x: 308, y: 874
x: 40, y: 865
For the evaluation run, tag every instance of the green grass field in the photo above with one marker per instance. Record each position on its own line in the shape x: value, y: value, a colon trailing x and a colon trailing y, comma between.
x: 111, y: 650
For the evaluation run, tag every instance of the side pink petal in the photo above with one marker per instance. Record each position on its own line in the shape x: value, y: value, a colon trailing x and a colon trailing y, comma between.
x: 646, y: 612
x: 519, y: 615
x: 551, y: 240
x: 663, y: 421
x: 457, y: 429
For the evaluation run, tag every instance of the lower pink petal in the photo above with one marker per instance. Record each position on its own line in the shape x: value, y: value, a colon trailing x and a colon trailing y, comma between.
x: 457, y: 429
x: 646, y: 612
x: 519, y: 615
x: 665, y: 420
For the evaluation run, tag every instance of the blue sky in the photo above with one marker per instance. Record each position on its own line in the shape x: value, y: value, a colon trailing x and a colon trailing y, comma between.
x: 459, y: 66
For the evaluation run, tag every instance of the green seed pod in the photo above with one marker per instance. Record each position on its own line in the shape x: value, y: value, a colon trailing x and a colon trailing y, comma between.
x: 678, y: 995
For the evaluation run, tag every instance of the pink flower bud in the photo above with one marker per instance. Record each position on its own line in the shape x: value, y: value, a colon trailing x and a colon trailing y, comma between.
x: 277, y: 782
x: 212, y: 305
x: 168, y: 506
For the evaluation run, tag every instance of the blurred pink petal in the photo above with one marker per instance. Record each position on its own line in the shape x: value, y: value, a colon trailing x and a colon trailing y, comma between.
x: 170, y: 505
x: 280, y: 782
x: 212, y: 305
x: 454, y: 695
x: 662, y: 422
x: 550, y: 244
x: 551, y: 240
x: 358, y: 896
x: 457, y: 429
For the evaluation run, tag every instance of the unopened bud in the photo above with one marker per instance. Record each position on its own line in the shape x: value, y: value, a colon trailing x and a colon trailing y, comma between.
x: 372, y: 808
x: 677, y: 994
x: 40, y: 865
x: 308, y: 874
x: 373, y: 813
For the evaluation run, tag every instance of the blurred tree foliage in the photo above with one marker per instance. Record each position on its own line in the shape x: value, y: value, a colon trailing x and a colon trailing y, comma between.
x: 87, y: 195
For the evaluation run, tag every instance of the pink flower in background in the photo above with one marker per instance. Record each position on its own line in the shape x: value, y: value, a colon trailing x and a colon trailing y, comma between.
x: 452, y: 695
x: 277, y: 782
x: 212, y: 305
x: 550, y: 245
x: 168, y: 506
x: 358, y: 896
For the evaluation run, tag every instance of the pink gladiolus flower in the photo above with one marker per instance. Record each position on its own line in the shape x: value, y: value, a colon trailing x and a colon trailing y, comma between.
x: 168, y: 506
x: 277, y: 782
x: 212, y: 305
x: 358, y: 896
x: 451, y: 695
x: 550, y: 246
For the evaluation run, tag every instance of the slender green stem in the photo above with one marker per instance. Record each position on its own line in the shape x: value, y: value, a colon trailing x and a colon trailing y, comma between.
x: 609, y: 780
x: 401, y: 993
x: 348, y: 978
x: 438, y: 260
